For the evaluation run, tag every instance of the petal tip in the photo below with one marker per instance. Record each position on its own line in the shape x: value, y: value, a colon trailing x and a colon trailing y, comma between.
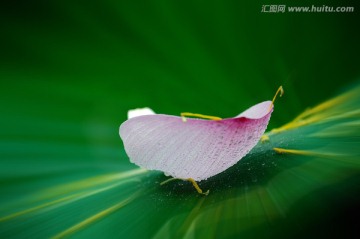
x: 257, y: 111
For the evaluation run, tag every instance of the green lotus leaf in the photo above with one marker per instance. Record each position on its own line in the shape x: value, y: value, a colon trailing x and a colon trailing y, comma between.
x: 307, y: 163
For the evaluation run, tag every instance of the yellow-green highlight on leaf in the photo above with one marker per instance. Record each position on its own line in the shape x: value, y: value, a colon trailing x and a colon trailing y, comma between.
x: 98, y: 216
x: 90, y: 182
x: 306, y: 152
x: 331, y: 109
x: 67, y: 199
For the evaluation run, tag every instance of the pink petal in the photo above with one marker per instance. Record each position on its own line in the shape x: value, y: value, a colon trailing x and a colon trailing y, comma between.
x: 197, y: 148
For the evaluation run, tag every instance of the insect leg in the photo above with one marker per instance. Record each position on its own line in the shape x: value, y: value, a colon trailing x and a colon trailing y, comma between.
x: 196, y: 186
x: 169, y: 180
x: 281, y: 91
x: 183, y: 115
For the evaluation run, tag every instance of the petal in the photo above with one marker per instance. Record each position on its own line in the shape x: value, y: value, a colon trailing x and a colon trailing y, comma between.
x: 257, y: 111
x: 139, y: 112
x: 196, y: 149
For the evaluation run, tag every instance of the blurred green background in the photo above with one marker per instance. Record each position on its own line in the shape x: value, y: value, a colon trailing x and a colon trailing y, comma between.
x: 70, y: 71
